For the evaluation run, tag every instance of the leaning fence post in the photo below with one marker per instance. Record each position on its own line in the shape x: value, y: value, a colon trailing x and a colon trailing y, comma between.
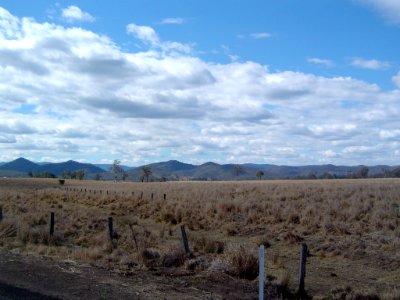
x: 110, y: 228
x: 261, y: 273
x: 1, y: 214
x: 184, y: 240
x: 51, y: 224
x: 302, y: 273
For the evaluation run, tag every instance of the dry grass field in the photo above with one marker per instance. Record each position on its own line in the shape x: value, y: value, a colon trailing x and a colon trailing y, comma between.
x: 350, y: 226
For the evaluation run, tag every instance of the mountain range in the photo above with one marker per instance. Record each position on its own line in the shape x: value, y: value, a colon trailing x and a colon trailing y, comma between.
x: 22, y: 165
x: 176, y: 170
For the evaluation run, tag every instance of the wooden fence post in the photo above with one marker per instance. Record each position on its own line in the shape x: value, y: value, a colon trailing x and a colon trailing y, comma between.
x: 110, y: 228
x: 302, y: 273
x: 141, y: 195
x: 165, y: 196
x: 151, y: 196
x: 1, y: 214
x: 51, y: 224
x: 184, y: 240
x: 261, y: 273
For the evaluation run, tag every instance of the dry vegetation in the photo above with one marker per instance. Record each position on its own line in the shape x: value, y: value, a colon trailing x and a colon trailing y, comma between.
x: 350, y: 226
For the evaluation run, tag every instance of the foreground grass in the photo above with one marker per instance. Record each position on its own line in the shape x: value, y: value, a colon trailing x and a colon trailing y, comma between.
x: 351, y: 227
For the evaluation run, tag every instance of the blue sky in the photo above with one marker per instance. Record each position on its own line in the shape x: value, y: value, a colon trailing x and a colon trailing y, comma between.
x: 285, y: 82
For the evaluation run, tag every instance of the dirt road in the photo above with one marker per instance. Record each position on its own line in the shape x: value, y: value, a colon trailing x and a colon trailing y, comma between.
x: 25, y: 276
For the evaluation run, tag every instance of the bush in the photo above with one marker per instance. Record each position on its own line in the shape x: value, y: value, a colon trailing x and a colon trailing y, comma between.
x: 61, y: 181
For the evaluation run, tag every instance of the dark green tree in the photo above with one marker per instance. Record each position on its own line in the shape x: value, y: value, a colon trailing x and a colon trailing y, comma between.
x: 259, y: 174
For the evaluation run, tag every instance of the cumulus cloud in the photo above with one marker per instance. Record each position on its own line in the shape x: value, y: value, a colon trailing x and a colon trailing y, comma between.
x: 144, y: 33
x: 95, y: 101
x: 320, y: 61
x: 149, y: 36
x: 372, y: 64
x: 75, y: 14
x: 389, y: 9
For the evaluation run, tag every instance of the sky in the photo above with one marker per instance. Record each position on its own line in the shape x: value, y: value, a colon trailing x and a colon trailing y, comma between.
x: 258, y: 81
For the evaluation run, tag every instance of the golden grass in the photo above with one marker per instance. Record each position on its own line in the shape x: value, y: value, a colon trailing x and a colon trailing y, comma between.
x: 351, y: 226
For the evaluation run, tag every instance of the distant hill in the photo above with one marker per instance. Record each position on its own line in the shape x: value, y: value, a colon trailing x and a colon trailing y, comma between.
x: 176, y: 170
x: 20, y: 165
x: 106, y: 167
x: 168, y: 169
x: 59, y: 168
x: 212, y: 171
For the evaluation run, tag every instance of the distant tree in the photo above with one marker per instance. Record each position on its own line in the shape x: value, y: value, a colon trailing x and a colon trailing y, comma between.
x: 237, y: 170
x: 97, y: 177
x: 45, y: 175
x: 259, y: 174
x: 80, y: 174
x: 30, y: 174
x: 394, y: 173
x: 124, y: 175
x: 116, y: 169
x: 66, y: 174
x: 362, y: 173
x: 146, y: 172
x: 311, y: 175
x: 327, y: 175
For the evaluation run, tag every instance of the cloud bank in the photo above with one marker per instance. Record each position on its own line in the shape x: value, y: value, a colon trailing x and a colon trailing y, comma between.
x: 90, y: 100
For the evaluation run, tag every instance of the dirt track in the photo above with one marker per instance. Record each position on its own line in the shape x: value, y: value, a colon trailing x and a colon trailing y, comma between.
x: 30, y: 277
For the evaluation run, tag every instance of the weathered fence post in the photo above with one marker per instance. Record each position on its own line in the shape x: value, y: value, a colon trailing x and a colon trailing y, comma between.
x: 184, y: 240
x: 51, y: 224
x: 110, y: 228
x: 165, y: 196
x: 302, y: 273
x: 151, y: 196
x: 141, y: 195
x: 1, y: 214
x: 261, y: 273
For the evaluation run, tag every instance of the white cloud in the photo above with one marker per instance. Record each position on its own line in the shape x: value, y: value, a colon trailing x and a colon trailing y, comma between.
x: 74, y: 13
x: 372, y: 64
x: 260, y: 35
x: 173, y: 21
x: 144, y: 33
x: 149, y: 36
x: 389, y: 9
x: 95, y: 101
x: 320, y: 61
x: 396, y: 80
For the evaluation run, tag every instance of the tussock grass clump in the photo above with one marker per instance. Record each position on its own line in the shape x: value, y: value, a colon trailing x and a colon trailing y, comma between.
x: 242, y: 262
x: 209, y: 245
x: 8, y: 228
x: 174, y: 257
